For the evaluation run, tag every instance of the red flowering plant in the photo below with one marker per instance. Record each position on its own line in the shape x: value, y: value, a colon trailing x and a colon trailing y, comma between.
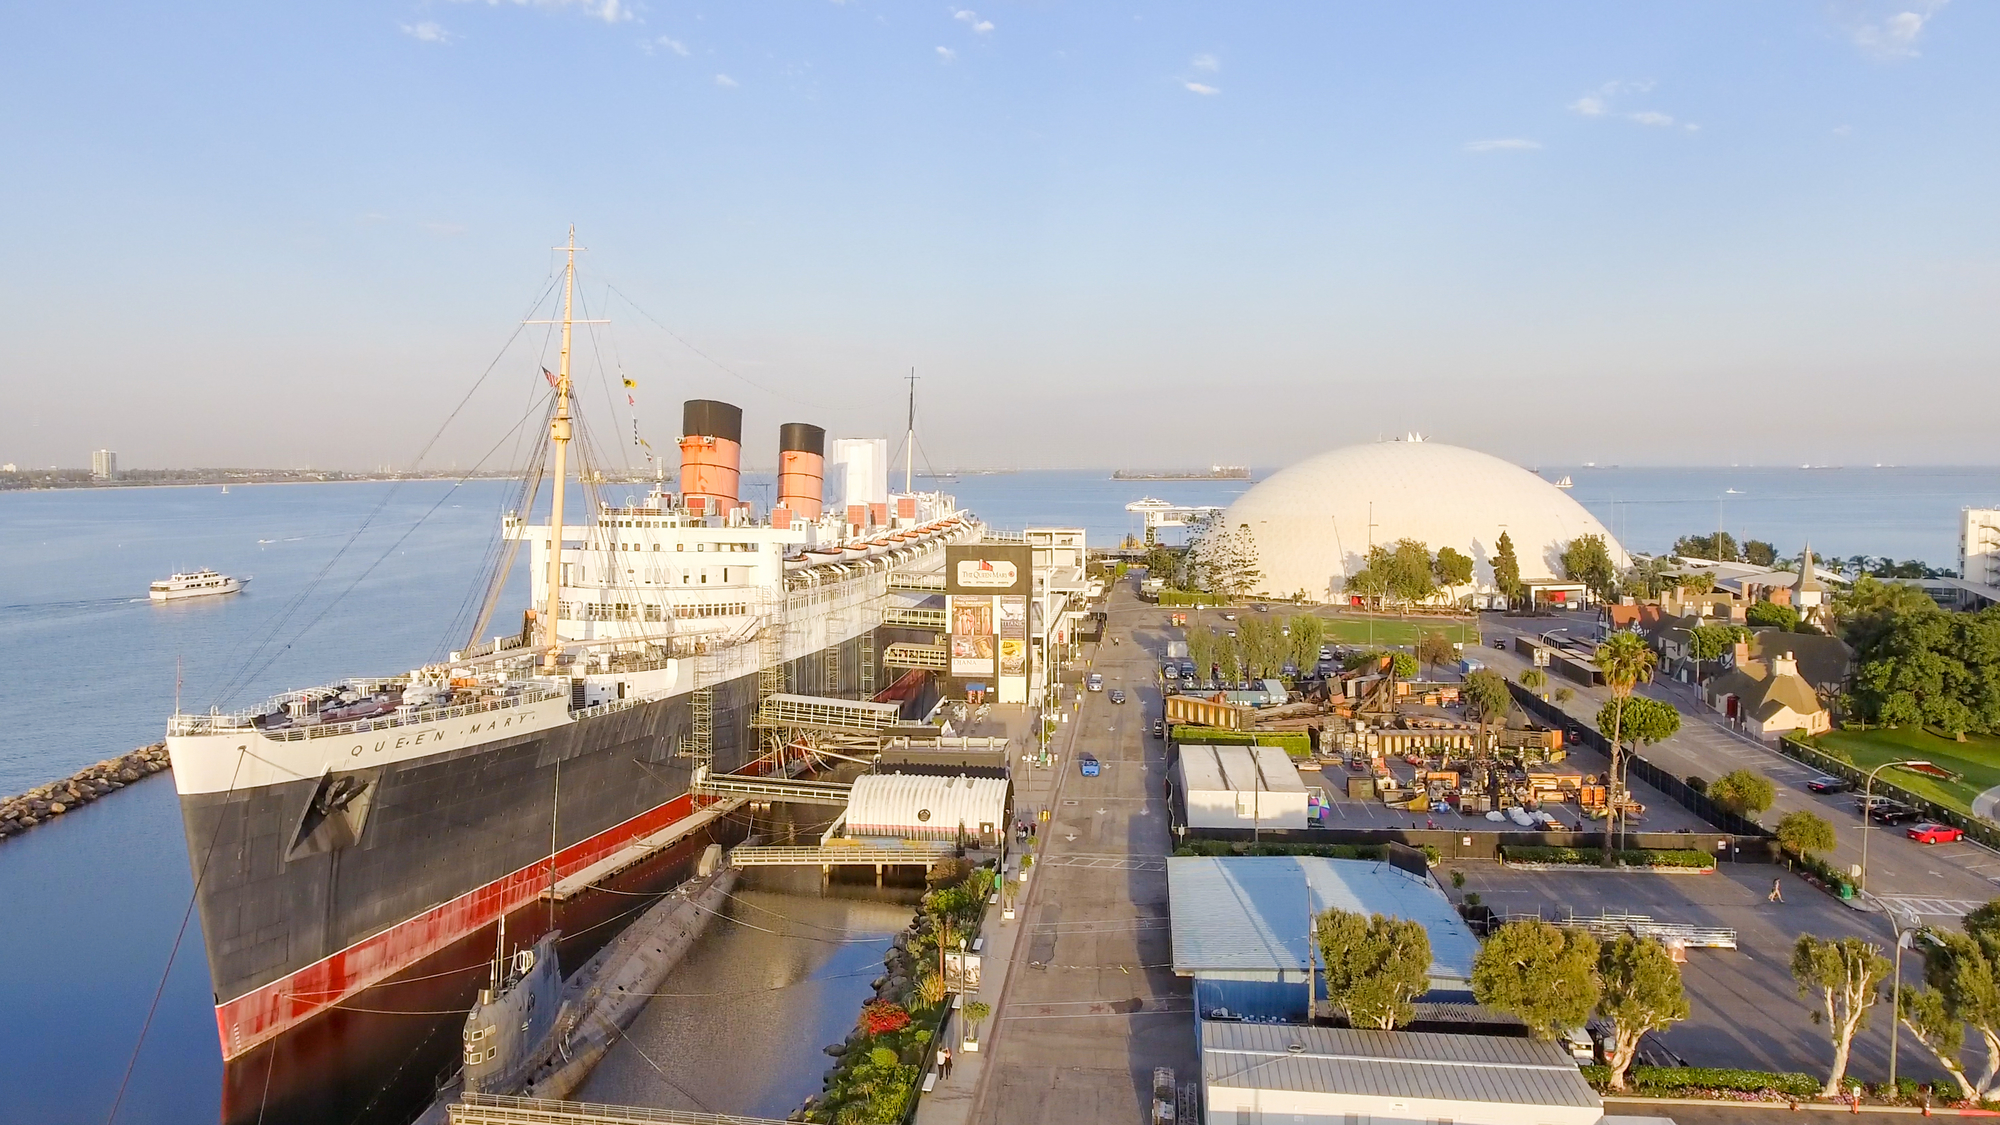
x: 880, y: 1017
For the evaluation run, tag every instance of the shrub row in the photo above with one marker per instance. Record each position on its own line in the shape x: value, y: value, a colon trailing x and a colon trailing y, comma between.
x: 1376, y: 852
x: 1296, y: 744
x: 1684, y: 1081
x: 1628, y: 857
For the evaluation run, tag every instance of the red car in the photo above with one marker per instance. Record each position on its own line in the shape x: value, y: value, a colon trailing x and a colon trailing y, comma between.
x: 1928, y: 833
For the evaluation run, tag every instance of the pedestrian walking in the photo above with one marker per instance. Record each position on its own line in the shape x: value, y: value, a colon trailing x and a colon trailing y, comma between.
x: 944, y: 1064
x: 1777, y: 891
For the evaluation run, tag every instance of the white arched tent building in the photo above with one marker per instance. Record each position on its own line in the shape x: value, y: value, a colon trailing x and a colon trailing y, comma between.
x: 916, y: 806
x: 1313, y: 523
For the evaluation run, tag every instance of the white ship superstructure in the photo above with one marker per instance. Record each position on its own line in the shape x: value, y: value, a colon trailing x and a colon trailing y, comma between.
x: 203, y: 583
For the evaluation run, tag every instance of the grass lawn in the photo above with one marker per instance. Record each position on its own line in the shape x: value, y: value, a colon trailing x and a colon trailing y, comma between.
x: 1977, y: 758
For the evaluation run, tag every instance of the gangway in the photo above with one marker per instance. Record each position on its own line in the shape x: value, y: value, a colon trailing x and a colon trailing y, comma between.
x: 825, y: 713
x: 908, y: 852
x: 917, y: 617
x: 776, y: 789
x: 501, y: 1109
x: 902, y: 654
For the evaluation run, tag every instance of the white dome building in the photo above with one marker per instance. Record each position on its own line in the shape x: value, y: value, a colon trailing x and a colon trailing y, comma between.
x: 1311, y: 522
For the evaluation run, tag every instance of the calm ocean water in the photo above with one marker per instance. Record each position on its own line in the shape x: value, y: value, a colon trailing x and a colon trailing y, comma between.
x: 99, y: 896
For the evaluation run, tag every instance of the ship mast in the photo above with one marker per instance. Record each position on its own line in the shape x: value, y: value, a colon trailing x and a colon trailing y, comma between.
x: 559, y: 429
x: 910, y: 438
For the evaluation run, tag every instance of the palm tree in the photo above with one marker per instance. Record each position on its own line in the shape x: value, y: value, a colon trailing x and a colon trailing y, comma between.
x: 1625, y: 661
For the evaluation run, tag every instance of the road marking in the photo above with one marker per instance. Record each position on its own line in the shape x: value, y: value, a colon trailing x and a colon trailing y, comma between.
x: 1109, y: 862
x: 1937, y: 907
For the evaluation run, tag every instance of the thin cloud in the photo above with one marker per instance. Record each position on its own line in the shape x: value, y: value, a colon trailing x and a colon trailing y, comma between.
x: 427, y: 32
x: 1650, y: 117
x: 1895, y: 36
x: 1202, y: 88
x: 1503, y: 144
x: 946, y: 54
x: 1207, y: 63
x: 610, y: 11
x: 971, y: 19
x: 672, y: 44
x: 725, y: 81
x: 1602, y: 102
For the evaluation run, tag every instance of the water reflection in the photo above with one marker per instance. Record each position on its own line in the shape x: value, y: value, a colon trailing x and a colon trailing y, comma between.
x: 742, y: 1021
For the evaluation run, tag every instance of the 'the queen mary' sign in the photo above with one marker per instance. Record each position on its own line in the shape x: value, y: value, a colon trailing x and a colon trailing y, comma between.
x: 987, y: 574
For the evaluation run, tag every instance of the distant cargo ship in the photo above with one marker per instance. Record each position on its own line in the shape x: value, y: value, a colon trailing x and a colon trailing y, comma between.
x: 1213, y: 472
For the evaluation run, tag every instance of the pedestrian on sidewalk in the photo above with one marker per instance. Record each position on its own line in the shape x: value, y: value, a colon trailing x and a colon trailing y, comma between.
x: 944, y: 1064
x: 1777, y: 891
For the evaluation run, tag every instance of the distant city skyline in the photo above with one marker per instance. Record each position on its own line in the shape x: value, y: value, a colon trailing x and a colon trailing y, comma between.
x: 1158, y: 237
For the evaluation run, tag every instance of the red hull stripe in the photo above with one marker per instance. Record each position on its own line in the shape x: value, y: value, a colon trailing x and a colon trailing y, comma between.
x: 262, y: 1014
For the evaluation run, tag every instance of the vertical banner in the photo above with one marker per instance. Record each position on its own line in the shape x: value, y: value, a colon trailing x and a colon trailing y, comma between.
x: 987, y: 587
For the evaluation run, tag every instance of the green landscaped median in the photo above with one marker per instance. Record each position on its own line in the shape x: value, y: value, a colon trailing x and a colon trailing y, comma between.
x: 1976, y: 760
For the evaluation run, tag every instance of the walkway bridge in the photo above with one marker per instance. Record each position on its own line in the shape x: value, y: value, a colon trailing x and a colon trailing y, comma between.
x: 499, y: 1109
x: 903, y: 654
x: 908, y: 852
x: 824, y: 713
x: 832, y: 793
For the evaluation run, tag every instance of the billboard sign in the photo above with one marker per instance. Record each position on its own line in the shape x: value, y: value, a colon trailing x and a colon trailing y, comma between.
x: 987, y: 587
x: 972, y: 634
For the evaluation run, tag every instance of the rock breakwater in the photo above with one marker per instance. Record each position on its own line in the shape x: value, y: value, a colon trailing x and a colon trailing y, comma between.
x: 46, y: 802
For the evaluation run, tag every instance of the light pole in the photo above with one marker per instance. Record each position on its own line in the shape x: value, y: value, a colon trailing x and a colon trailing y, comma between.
x: 1905, y: 934
x: 1868, y: 809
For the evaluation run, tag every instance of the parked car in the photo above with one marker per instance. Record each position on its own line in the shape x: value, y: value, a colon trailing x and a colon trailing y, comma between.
x: 1159, y: 728
x: 1326, y: 652
x: 1828, y: 785
x: 1229, y: 617
x: 1500, y: 644
x: 1095, y: 682
x: 1187, y: 670
x: 1262, y: 608
x: 1893, y: 814
x: 1088, y: 765
x: 1117, y: 695
x: 1928, y: 833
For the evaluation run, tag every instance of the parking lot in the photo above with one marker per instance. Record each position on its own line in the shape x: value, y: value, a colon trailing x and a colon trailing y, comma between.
x: 1747, y: 1012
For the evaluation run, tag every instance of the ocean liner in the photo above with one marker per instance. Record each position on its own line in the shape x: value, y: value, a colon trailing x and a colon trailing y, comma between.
x: 356, y: 846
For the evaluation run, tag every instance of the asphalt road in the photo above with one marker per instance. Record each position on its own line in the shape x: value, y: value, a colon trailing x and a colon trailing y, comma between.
x: 1937, y: 882
x: 1091, y: 982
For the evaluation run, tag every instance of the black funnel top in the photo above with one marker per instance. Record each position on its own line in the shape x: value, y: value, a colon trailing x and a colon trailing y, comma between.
x: 704, y: 417
x: 801, y: 437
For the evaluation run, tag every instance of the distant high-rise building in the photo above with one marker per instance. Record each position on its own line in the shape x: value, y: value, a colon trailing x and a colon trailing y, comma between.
x: 104, y: 465
x: 1979, y: 545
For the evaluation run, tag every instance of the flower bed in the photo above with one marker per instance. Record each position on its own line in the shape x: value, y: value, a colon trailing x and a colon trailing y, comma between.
x: 1656, y: 859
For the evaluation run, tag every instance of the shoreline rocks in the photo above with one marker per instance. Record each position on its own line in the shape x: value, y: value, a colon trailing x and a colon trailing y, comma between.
x: 20, y: 813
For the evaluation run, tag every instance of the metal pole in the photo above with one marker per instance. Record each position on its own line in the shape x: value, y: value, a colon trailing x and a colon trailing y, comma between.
x: 1868, y: 811
x: 1895, y: 1006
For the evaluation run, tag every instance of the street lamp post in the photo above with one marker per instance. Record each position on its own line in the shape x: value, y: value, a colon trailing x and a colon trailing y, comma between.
x: 1905, y: 932
x: 1868, y: 809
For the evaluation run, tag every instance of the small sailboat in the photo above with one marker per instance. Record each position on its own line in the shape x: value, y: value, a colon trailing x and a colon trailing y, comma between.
x: 1565, y: 482
x: 225, y: 490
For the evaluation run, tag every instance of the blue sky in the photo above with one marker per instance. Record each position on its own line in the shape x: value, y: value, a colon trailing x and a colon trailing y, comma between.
x: 1104, y: 234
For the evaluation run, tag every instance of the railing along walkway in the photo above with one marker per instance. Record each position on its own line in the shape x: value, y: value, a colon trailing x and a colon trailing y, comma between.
x: 499, y: 1109
x: 835, y: 855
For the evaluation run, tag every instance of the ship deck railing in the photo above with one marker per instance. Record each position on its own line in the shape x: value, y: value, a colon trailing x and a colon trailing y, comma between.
x: 210, y: 724
x: 849, y: 854
x: 501, y: 1109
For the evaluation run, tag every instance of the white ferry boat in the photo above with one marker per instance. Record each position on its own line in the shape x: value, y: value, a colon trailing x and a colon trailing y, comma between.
x: 194, y: 584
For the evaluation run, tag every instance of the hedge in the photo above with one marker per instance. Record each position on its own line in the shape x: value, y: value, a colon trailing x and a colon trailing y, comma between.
x: 1186, y: 597
x: 1671, y: 1081
x: 1295, y: 743
x: 1629, y: 857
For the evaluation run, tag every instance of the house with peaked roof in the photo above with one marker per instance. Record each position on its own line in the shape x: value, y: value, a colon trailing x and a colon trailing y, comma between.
x: 1768, y: 697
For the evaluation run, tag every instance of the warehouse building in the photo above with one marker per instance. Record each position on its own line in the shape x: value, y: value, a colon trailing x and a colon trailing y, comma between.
x: 1241, y: 927
x: 1254, y: 1073
x: 1247, y: 787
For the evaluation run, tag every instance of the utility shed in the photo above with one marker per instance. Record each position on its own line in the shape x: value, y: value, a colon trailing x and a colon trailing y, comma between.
x: 1241, y: 787
x: 1257, y: 1073
x: 914, y: 806
x: 1240, y: 926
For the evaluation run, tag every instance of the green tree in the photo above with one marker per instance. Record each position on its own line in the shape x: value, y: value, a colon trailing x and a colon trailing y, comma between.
x: 1507, y: 571
x: 1719, y: 547
x: 1434, y: 648
x: 1371, y: 582
x: 1756, y: 552
x: 1700, y: 582
x: 1642, y: 993
x: 976, y: 1013
x: 1452, y: 568
x: 1226, y: 559
x: 1403, y: 665
x: 1375, y: 966
x: 1870, y: 608
x: 1648, y: 722
x: 1962, y: 978
x: 1534, y: 679
x: 1543, y: 974
x: 1201, y: 649
x: 1806, y: 832
x: 1485, y: 693
x: 1846, y: 974
x: 1743, y: 792
x: 1625, y: 661
x: 1308, y: 632
x: 1587, y: 559
x: 1709, y: 642
x: 1411, y: 576
x: 1228, y: 657
x: 1772, y: 614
